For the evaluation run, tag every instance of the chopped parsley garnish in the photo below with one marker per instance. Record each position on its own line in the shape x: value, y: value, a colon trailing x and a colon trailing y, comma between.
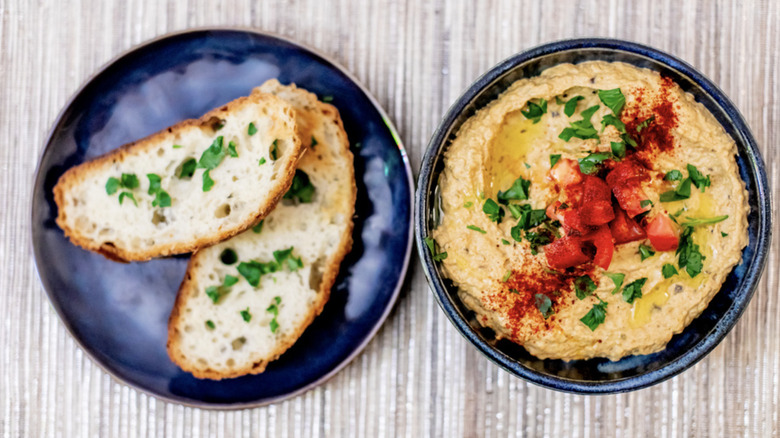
x: 699, y: 180
x: 613, y: 99
x: 188, y: 168
x: 535, y: 111
x: 493, y: 211
x: 582, y: 129
x: 610, y: 119
x: 515, y: 210
x: 228, y: 256
x: 645, y: 251
x: 588, y: 165
x: 161, y: 197
x: 436, y: 256
x: 554, y: 159
x: 128, y: 195
x: 618, y: 149
x: 246, y: 315
x: 217, y: 292
x: 668, y: 270
x: 633, y: 290
x: 688, y: 254
x: 505, y: 242
x: 177, y: 146
x: 285, y: 256
x: 530, y: 218
x: 559, y: 101
x: 301, y: 190
x: 617, y: 279
x: 544, y: 304
x: 644, y: 124
x: 213, y: 155
x: 327, y: 99
x: 112, y: 185
x: 275, y: 150
x: 259, y: 227
x: 129, y: 180
x: 476, y: 228
x: 210, y: 324
x: 673, y: 175
x: 693, y: 221
x: 208, y: 183
x: 506, y: 276
x: 468, y: 204
x: 254, y: 270
x: 537, y: 239
x: 645, y: 202
x: 724, y: 234
x: 251, y: 130
x: 514, y: 291
x: 627, y: 139
x: 571, y: 105
x: 313, y: 142
x: 683, y: 191
x: 518, y: 192
x: 273, y: 309
x: 584, y: 287
x: 154, y: 183
x: 262, y: 161
x: 595, y: 317
x: 527, y: 166
x: 232, y: 149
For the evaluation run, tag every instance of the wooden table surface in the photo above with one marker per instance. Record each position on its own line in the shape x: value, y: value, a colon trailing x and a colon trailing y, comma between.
x: 418, y: 377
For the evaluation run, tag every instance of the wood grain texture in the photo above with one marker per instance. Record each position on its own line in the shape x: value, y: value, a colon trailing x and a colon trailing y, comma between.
x: 418, y: 377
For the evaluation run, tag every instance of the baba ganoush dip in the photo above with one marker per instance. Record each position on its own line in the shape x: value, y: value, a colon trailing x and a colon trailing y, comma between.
x: 591, y: 211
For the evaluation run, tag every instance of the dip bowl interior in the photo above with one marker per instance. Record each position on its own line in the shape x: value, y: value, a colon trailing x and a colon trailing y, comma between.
x: 600, y: 376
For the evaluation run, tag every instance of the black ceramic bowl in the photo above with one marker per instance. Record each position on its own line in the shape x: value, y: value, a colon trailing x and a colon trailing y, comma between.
x: 600, y: 376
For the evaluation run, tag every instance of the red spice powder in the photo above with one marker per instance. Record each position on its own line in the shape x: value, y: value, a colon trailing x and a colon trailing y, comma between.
x: 518, y: 296
x: 657, y: 136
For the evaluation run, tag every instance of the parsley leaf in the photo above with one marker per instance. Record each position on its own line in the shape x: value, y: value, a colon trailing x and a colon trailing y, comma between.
x: 217, y: 292
x: 645, y: 123
x: 431, y: 244
x: 689, y: 256
x: 544, y: 304
x: 128, y: 195
x: 692, y: 221
x: 588, y: 165
x: 313, y: 142
x: 617, y: 279
x: 584, y: 286
x: 208, y: 183
x: 275, y: 150
x: 246, y: 315
x: 213, y: 155
x: 188, y: 168
x: 613, y: 99
x: 210, y: 324
x: 476, y: 228
x: 518, y: 192
x: 724, y: 234
x: 301, y: 190
x: 618, y: 149
x: 645, y: 202
x: 232, y: 149
x: 262, y: 161
x: 537, y: 239
x: 673, y: 175
x: 595, y: 317
x: 571, y: 105
x: 645, y: 251
x: 154, y: 183
x: 259, y: 227
x: 633, y: 290
x: 112, y: 185
x: 506, y: 276
x: 535, y: 111
x: 494, y: 212
x: 251, y: 130
x: 554, y: 159
x: 273, y: 309
x: 129, y: 180
x: 668, y: 270
x: 161, y: 199
x: 699, y: 180
x: 610, y: 119
x: 683, y: 191
x: 504, y: 242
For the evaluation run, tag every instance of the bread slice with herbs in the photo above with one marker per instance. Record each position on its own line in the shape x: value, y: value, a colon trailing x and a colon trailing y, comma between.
x: 245, y: 301
x: 188, y: 186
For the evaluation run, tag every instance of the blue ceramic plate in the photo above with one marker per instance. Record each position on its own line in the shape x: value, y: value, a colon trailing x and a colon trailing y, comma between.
x: 119, y: 312
x: 704, y: 333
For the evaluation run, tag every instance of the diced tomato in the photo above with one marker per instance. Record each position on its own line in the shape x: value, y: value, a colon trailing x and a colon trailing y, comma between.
x: 597, y: 213
x: 625, y: 171
x: 552, y: 211
x: 624, y: 229
x: 630, y: 196
x: 566, y: 172
x: 605, y: 246
x: 572, y: 222
x: 663, y: 233
x: 565, y: 253
x: 595, y: 189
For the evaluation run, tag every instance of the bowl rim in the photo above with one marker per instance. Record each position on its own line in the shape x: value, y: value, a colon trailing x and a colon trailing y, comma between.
x: 425, y: 182
x: 393, y: 299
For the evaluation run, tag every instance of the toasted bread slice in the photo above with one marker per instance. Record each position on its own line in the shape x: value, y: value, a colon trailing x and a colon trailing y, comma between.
x: 221, y: 329
x: 131, y: 218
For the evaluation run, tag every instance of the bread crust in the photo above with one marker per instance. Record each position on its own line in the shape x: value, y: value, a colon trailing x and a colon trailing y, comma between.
x: 330, y: 272
x: 81, y: 172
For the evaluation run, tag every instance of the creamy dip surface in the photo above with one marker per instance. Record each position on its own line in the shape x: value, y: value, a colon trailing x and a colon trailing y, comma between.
x: 510, y: 206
